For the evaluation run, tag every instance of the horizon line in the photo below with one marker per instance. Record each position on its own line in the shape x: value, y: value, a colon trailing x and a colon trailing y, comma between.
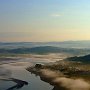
x: 40, y: 41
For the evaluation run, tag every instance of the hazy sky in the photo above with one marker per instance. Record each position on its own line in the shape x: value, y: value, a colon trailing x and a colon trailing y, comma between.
x: 44, y: 20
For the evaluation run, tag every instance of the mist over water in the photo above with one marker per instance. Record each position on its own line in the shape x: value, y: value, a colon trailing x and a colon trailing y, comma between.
x: 17, y: 70
x: 5, y: 73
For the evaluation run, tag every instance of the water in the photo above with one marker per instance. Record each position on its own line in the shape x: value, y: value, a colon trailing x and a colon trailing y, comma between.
x: 34, y: 81
x: 17, y: 70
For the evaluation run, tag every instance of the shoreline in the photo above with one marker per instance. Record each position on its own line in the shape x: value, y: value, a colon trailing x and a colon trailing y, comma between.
x: 58, y: 79
x: 47, y: 79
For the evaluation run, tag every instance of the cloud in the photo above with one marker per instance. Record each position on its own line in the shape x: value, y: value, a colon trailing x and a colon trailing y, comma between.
x: 55, y: 15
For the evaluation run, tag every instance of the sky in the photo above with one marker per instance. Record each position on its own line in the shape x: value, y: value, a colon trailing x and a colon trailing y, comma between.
x: 44, y: 20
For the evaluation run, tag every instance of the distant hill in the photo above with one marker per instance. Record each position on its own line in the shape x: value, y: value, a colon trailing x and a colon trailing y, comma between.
x: 64, y: 44
x: 45, y: 50
x: 84, y: 59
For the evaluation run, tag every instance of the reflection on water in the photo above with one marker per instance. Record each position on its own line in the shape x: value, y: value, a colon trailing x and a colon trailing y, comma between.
x: 4, y: 72
x: 17, y: 70
x: 19, y: 84
x: 27, y: 81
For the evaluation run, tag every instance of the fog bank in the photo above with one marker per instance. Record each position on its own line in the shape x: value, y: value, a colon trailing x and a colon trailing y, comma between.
x: 70, y: 84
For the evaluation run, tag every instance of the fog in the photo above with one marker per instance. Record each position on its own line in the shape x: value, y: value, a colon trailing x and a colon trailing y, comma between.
x: 5, y: 73
x: 67, y: 83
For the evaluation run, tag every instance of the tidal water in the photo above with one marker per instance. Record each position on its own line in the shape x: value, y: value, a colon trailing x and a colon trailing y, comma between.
x: 17, y: 70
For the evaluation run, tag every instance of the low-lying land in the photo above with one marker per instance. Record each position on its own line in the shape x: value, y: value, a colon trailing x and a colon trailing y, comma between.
x: 69, y: 74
